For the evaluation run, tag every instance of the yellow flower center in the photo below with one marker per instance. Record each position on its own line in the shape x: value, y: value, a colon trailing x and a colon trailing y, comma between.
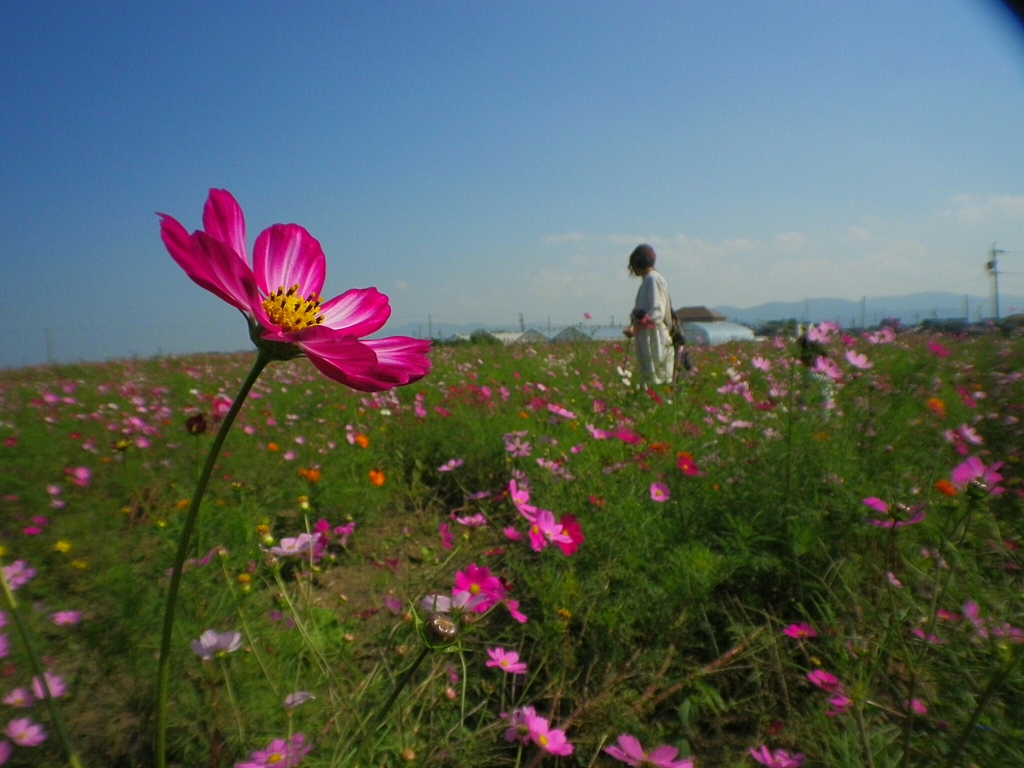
x: 287, y: 309
x: 543, y: 740
x: 503, y: 662
x: 474, y: 589
x: 275, y: 758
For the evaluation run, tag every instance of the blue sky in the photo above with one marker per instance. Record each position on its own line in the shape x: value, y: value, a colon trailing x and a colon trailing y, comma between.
x: 475, y: 160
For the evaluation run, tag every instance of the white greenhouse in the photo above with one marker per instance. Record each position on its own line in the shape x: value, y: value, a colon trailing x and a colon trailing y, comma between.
x: 710, y: 334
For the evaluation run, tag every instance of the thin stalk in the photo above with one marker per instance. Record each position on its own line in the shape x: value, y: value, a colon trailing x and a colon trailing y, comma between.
x: 234, y: 704
x: 865, y: 742
x: 164, y: 664
x: 37, y: 667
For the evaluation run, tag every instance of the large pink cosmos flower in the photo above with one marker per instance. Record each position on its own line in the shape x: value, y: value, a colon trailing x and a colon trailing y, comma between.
x: 280, y: 296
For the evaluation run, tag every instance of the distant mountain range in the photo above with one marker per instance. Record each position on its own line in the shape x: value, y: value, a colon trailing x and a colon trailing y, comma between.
x: 910, y: 309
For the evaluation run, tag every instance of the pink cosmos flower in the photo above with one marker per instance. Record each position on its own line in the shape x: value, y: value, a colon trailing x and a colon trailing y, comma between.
x: 449, y: 465
x: 907, y: 515
x: 512, y: 534
x: 514, y: 612
x: 629, y: 751
x: 66, y: 618
x: 660, y: 492
x: 917, y: 707
x: 761, y: 363
x: 18, y: 573
x: 520, y: 498
x: 79, y: 475
x: 858, y: 360
x: 293, y: 700
x: 25, y: 733
x: 974, y: 470
x: 551, y: 740
x: 780, y: 758
x: 546, y: 531
x: 937, y: 349
x: 281, y: 753
x: 482, y: 589
x: 825, y: 366
x: 445, y: 535
x: 54, y: 683
x: 5, y: 646
x: 838, y: 705
x: 506, y: 661
x: 302, y: 545
x: 799, y: 631
x: 588, y: 316
x: 560, y: 411
x: 280, y: 297
x: 19, y: 697
x: 472, y: 521
x: 5, y: 751
x: 828, y: 682
x: 213, y: 643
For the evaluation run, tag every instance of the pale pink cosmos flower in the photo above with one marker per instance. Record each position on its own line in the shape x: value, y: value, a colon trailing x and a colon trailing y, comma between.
x: 551, y: 740
x: 66, y: 618
x: 213, y: 643
x: 19, y: 697
x: 520, y: 498
x: 518, y: 729
x: 280, y: 296
x: 761, y: 363
x: 303, y: 545
x: 629, y: 751
x: 660, y: 492
x: 858, y: 360
x: 506, y: 661
x: 472, y: 521
x: 780, y: 758
x: 25, y: 733
x: 53, y: 682
x: 560, y: 411
x: 546, y: 531
x: 18, y: 574
x: 827, y: 367
x: 293, y: 700
x: 450, y: 465
x: 79, y: 475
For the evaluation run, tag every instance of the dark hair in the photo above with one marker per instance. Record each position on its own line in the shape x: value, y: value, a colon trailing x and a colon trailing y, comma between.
x: 641, y: 258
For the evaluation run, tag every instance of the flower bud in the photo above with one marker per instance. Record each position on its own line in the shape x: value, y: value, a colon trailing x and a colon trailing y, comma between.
x: 196, y: 425
x: 440, y: 631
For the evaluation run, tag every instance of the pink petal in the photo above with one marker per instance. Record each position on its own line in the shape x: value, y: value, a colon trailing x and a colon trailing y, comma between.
x: 359, y: 311
x: 400, y: 360
x: 227, y: 272
x: 179, y: 244
x: 344, y: 359
x: 223, y: 220
x: 286, y: 254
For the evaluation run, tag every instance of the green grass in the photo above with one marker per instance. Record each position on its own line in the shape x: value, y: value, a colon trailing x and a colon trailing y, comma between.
x: 665, y: 624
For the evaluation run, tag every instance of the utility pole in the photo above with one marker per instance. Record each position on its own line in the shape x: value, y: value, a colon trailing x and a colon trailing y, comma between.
x: 430, y: 326
x: 863, y: 308
x: 522, y: 325
x: 993, y: 267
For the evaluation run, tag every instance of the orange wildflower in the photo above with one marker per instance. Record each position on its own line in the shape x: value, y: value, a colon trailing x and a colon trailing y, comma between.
x: 936, y: 406
x: 945, y: 487
x: 312, y: 474
x: 273, y: 447
x: 362, y: 440
x: 376, y: 477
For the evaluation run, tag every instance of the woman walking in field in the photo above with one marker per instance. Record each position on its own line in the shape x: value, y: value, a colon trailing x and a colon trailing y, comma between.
x: 651, y: 319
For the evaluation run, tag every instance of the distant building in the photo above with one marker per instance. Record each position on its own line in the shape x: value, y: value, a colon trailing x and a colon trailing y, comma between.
x: 571, y: 334
x: 718, y: 332
x: 698, y: 315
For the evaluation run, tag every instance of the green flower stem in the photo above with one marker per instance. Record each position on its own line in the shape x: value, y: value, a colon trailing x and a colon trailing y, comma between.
x: 37, y: 667
x: 164, y: 664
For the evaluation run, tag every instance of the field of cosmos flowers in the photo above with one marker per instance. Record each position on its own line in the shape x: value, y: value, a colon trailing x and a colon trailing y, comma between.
x: 547, y: 562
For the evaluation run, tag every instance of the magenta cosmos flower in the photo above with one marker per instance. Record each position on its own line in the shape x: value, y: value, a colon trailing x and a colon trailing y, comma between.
x: 506, y: 661
x: 280, y: 296
x: 551, y: 740
x: 630, y: 752
x: 25, y: 733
